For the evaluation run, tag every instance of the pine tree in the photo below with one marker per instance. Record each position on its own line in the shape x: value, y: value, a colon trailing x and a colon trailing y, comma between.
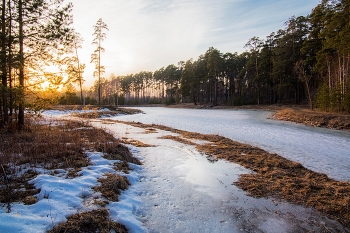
x: 100, y: 35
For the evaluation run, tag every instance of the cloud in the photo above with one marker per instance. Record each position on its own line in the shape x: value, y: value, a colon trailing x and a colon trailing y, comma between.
x: 149, y: 34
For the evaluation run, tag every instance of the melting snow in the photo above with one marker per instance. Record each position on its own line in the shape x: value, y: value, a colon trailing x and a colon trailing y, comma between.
x: 178, y: 190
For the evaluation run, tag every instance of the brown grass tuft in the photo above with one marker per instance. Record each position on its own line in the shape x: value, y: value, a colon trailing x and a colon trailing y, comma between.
x: 136, y: 143
x: 111, y: 185
x: 89, y: 222
x: 150, y: 130
x: 117, y: 152
x: 122, y: 166
x: 178, y: 139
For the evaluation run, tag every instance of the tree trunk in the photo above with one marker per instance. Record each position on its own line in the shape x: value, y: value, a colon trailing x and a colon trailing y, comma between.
x: 3, y: 63
x: 21, y: 67
x: 80, y: 78
x: 194, y: 95
x: 10, y: 58
x: 99, y: 72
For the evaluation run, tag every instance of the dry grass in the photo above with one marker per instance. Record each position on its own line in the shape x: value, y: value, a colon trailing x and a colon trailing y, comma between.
x: 89, y: 222
x: 178, y: 139
x: 150, y: 130
x: 52, y: 147
x: 97, y: 111
x: 61, y: 145
x: 274, y: 175
x: 312, y: 118
x: 116, y: 151
x: 122, y: 166
x: 95, y: 107
x: 39, y: 146
x: 136, y: 143
x: 111, y: 185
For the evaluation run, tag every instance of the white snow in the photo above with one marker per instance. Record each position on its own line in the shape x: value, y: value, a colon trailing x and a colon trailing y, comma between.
x: 178, y: 190
x: 181, y: 191
x: 60, y: 197
x: 319, y: 149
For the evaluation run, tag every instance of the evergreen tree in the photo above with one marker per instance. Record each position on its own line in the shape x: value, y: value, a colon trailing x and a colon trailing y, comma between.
x: 100, y: 35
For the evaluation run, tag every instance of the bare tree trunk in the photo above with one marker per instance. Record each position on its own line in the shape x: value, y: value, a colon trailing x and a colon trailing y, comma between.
x: 21, y: 67
x: 163, y: 89
x: 10, y: 57
x: 3, y: 63
x: 80, y: 78
x: 329, y: 75
x: 99, y: 72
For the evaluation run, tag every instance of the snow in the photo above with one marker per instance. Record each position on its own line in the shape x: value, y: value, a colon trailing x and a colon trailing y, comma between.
x: 319, y: 149
x: 178, y: 190
x: 60, y: 197
x: 181, y: 191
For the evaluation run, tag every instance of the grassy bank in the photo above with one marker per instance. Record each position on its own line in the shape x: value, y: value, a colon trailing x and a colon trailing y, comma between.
x: 58, y: 148
x: 314, y: 118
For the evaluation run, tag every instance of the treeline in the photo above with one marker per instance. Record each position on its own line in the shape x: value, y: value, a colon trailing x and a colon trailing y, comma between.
x: 306, y: 62
x: 35, y: 34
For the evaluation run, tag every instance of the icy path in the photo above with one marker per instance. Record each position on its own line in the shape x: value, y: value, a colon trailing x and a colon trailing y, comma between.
x: 180, y: 191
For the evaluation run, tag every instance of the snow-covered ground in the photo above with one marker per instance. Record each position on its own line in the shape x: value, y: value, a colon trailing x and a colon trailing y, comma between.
x: 181, y: 191
x: 61, y: 197
x: 178, y: 190
x: 321, y: 150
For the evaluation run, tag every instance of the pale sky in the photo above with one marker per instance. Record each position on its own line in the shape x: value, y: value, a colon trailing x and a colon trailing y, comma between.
x: 145, y: 35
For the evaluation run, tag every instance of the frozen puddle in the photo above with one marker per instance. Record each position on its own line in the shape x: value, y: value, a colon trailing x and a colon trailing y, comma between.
x: 181, y: 191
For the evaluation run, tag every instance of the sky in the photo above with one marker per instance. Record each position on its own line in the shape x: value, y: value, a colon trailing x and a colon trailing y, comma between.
x: 146, y: 35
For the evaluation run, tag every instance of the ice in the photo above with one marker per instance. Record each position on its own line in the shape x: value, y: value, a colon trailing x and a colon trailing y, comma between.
x: 181, y: 191
x: 178, y: 190
x: 321, y: 150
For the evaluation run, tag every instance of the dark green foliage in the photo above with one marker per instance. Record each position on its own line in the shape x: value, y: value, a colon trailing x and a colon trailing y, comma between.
x: 70, y: 99
x: 90, y: 101
x: 322, y: 100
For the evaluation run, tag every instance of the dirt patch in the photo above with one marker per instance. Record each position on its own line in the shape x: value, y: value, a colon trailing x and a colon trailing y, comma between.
x: 274, y: 175
x: 93, y: 221
x: 316, y: 119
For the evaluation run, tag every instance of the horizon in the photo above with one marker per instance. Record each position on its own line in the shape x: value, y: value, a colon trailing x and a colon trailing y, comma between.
x: 148, y: 35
